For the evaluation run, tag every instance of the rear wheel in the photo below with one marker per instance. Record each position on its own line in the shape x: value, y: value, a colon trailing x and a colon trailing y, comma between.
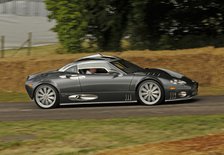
x: 46, y: 97
x: 150, y: 92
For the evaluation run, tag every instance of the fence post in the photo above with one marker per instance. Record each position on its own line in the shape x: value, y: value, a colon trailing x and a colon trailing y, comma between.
x: 2, y: 46
x: 29, y: 43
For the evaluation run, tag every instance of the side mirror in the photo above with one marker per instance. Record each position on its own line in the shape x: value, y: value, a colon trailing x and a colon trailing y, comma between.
x: 115, y: 73
x: 71, y: 75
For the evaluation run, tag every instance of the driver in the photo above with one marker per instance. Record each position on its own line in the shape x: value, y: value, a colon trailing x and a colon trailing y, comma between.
x: 91, y: 71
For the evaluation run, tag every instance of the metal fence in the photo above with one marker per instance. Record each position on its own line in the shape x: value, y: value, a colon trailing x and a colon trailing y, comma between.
x: 23, y: 7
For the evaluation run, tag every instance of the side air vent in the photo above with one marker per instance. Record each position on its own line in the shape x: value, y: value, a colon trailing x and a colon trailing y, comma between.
x: 83, y: 97
x: 153, y: 74
x: 128, y: 97
x: 173, y: 95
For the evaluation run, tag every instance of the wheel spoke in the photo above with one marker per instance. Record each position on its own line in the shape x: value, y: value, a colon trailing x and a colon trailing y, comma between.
x: 156, y: 96
x: 52, y: 98
x: 144, y: 90
x: 150, y: 86
x: 40, y: 98
x: 154, y: 88
x: 47, y: 102
x: 156, y: 92
x: 43, y: 101
x: 146, y: 86
x: 145, y: 97
x: 144, y: 93
x: 152, y: 97
x: 51, y: 94
x: 41, y: 91
x: 45, y: 90
x: 50, y: 101
x: 39, y: 95
x: 48, y: 90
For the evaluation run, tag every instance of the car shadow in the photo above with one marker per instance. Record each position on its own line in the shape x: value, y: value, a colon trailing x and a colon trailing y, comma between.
x: 190, y: 101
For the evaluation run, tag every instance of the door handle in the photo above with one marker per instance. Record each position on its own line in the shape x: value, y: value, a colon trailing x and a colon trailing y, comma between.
x: 72, y: 76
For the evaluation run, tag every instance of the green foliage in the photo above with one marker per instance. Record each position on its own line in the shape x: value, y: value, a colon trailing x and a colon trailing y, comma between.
x: 176, y: 23
x: 148, y: 24
x: 107, y: 22
x: 71, y: 22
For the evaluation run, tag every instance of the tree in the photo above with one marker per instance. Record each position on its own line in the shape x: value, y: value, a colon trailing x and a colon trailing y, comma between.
x: 104, y: 20
x: 176, y: 23
x: 107, y: 21
x: 71, y: 22
x: 149, y: 24
x: 145, y: 22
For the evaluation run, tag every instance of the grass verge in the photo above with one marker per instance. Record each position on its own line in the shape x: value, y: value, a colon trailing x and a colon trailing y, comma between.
x: 14, y: 97
x: 90, y: 136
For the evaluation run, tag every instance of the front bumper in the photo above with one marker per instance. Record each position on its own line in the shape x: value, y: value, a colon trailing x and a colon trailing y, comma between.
x: 184, y: 92
x: 29, y: 88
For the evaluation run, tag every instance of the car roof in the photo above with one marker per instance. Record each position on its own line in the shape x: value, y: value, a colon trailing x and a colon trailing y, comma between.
x: 98, y: 57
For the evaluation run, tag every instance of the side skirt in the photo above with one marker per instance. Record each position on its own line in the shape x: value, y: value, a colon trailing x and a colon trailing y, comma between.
x: 80, y: 103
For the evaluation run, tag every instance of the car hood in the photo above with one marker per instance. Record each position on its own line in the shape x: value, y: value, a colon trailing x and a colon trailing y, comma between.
x: 164, y: 73
x: 41, y: 74
x: 172, y: 73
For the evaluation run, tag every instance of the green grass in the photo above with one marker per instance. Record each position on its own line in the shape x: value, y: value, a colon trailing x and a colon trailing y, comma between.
x: 211, y: 91
x: 90, y: 136
x: 14, y: 97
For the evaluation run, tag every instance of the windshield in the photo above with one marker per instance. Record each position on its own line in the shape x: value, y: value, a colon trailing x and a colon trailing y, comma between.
x: 126, y: 66
x: 65, y: 67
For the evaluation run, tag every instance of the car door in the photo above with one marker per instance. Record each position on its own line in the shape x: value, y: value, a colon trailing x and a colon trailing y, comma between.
x: 68, y: 84
x: 106, y: 86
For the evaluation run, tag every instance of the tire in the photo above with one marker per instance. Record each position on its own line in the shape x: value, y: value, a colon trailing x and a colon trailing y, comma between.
x: 150, y: 92
x: 46, y: 97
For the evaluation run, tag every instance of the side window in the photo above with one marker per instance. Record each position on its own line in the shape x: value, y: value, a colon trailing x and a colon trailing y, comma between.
x: 72, y: 69
x: 93, y: 71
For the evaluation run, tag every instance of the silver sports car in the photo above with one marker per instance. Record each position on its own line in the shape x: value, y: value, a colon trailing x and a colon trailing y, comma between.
x: 107, y: 79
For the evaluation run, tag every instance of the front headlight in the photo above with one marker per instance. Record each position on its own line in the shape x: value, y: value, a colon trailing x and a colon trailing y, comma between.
x: 176, y: 81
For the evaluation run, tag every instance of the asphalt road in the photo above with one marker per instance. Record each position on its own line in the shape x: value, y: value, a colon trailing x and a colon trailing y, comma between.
x: 29, y: 111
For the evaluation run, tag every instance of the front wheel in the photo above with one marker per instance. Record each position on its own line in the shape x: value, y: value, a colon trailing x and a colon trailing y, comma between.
x: 46, y: 97
x: 150, y: 92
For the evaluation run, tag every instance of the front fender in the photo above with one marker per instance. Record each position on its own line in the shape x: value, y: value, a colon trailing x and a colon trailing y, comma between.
x: 31, y: 89
x: 137, y: 80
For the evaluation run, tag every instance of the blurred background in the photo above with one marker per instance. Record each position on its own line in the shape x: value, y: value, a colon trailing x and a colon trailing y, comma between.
x: 131, y: 24
x: 186, y: 36
x: 19, y: 17
x: 113, y: 25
